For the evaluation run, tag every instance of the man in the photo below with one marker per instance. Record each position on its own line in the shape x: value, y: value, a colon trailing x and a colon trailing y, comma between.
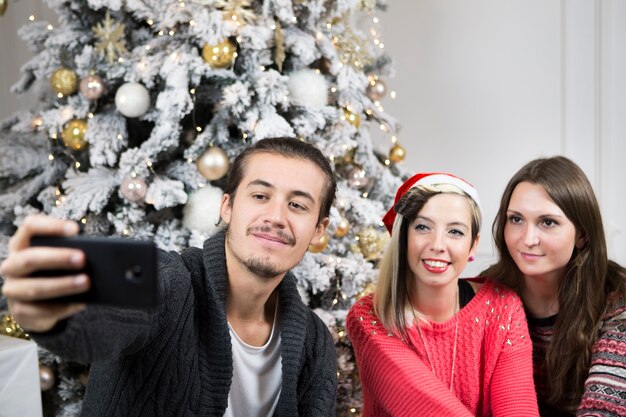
x: 231, y: 336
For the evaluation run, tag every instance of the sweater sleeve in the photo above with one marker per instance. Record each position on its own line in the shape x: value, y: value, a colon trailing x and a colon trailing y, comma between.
x: 605, y: 388
x: 392, y: 375
x: 512, y: 387
x: 103, y: 332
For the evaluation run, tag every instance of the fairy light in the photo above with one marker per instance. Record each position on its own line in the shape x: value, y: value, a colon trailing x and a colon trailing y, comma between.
x: 387, y: 162
x: 83, y: 220
x: 120, y: 60
x: 192, y: 91
x: 150, y: 22
x: 244, y: 135
x: 394, y: 139
x: 54, y: 136
x: 90, y: 115
x: 50, y: 157
x: 126, y: 232
x: 365, y: 194
x: 201, y: 185
x: 77, y: 164
x: 149, y: 163
x: 60, y: 95
x: 383, y: 127
x: 31, y: 17
x: 49, y: 27
x: 147, y: 47
x: 392, y: 94
x: 198, y: 129
x: 171, y: 33
x: 160, y: 33
x: 192, y: 23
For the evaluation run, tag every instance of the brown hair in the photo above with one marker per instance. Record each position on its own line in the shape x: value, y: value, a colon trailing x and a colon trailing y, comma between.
x: 391, y: 299
x: 290, y: 148
x: 583, y: 290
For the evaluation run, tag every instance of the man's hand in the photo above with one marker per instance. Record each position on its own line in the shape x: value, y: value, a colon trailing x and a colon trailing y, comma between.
x: 26, y: 296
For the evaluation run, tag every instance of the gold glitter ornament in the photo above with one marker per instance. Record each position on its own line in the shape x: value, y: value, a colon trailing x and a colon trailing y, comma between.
x: 320, y: 245
x: 353, y: 118
x: 9, y: 327
x: 64, y: 81
x: 110, y: 42
x: 342, y: 228
x: 221, y: 55
x: 73, y: 134
x: 371, y: 243
x: 3, y: 6
x: 213, y: 164
x: 397, y: 154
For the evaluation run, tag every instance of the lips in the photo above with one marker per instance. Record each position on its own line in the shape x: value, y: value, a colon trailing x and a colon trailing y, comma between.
x: 271, y: 238
x: 530, y: 256
x: 436, y: 266
x: 271, y: 235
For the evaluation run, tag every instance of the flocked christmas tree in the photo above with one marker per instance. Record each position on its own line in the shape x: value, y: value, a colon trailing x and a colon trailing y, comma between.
x: 147, y: 102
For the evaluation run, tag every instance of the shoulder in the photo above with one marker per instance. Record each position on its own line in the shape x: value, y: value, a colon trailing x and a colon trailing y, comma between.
x: 363, y: 307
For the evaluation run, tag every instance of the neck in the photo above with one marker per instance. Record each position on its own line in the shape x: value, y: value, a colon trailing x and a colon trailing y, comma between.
x: 541, y: 296
x: 438, y: 304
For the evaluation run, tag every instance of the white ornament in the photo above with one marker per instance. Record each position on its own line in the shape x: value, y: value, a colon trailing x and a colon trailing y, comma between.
x: 308, y: 87
x: 202, y: 211
x: 132, y: 100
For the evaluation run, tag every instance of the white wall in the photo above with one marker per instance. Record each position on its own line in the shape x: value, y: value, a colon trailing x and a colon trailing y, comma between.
x: 483, y: 87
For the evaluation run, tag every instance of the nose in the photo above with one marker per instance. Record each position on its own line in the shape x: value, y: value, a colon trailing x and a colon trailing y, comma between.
x: 531, y: 236
x: 437, y: 244
x: 275, y: 214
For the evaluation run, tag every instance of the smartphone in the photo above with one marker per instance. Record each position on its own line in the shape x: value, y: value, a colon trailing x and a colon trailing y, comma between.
x: 123, y: 272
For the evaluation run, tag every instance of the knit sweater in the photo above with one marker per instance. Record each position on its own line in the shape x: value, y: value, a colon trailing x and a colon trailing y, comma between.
x: 605, y: 387
x: 493, y: 365
x: 177, y: 359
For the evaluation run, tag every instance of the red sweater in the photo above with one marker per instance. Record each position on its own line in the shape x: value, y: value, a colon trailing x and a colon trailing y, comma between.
x: 493, y: 369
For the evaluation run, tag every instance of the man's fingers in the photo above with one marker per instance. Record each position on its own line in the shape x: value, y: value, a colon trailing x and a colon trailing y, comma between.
x: 41, y: 317
x: 40, y: 225
x: 26, y: 262
x: 37, y: 289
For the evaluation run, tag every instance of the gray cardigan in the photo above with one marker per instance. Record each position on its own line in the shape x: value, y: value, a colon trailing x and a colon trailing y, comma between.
x: 176, y: 360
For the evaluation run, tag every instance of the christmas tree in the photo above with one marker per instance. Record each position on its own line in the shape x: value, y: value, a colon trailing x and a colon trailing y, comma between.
x: 144, y: 103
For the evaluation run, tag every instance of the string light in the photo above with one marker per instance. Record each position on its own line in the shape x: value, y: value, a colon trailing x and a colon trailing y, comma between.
x: 31, y: 18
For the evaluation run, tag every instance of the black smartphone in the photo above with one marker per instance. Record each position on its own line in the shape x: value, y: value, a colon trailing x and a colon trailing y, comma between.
x: 123, y: 272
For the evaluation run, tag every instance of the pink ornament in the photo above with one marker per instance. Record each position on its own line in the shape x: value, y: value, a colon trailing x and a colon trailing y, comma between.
x: 133, y: 188
x: 92, y: 87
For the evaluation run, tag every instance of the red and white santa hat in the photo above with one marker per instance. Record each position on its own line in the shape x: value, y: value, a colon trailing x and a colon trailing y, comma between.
x: 429, y: 178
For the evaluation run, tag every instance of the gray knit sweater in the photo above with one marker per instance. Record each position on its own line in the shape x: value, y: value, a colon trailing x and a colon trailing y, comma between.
x: 177, y: 359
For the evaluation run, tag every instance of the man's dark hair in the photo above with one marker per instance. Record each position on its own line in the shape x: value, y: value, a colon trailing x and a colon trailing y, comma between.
x: 290, y: 148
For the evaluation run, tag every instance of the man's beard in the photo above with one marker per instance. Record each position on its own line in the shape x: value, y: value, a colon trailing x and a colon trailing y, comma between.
x: 261, y: 267
x: 256, y: 264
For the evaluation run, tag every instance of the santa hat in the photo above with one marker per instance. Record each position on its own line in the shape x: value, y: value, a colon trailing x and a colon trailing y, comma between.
x: 429, y: 178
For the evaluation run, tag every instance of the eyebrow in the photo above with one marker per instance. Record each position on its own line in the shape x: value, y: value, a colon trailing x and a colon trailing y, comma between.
x: 560, y: 216
x: 298, y: 193
x: 456, y: 224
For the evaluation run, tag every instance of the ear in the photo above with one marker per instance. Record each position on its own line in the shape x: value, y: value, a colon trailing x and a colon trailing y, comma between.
x: 581, y: 241
x: 226, y: 208
x: 474, y: 247
x: 320, y: 229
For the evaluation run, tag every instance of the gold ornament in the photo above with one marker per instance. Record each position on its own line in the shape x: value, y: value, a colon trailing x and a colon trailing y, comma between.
x: 9, y: 327
x: 279, y: 48
x: 64, y: 81
x: 110, y: 41
x: 352, y: 49
x: 221, y: 55
x: 397, y: 154
x: 3, y: 6
x: 353, y: 118
x: 213, y: 164
x: 46, y: 378
x: 371, y: 243
x: 342, y: 228
x: 73, y: 134
x: 320, y: 245
x: 376, y: 89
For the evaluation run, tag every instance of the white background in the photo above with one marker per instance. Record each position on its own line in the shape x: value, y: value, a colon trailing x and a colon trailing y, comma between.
x: 483, y: 87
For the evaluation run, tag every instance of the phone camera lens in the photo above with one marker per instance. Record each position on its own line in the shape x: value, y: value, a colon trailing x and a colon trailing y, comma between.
x: 134, y: 274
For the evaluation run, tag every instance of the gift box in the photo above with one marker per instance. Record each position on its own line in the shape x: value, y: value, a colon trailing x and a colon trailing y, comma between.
x: 20, y: 394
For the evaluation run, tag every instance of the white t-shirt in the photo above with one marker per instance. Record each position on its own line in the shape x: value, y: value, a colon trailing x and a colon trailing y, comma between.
x: 257, y: 376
